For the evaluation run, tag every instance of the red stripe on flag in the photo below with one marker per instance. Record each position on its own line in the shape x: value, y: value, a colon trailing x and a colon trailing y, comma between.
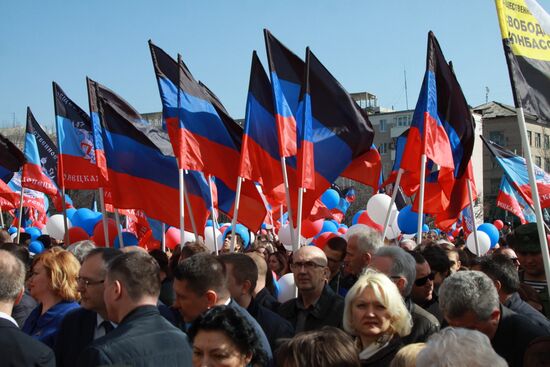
x: 83, y: 174
x: 286, y: 131
x: 306, y: 166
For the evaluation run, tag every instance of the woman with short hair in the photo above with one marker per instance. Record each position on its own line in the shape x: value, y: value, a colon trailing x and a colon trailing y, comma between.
x: 222, y: 337
x: 377, y: 316
x: 53, y: 284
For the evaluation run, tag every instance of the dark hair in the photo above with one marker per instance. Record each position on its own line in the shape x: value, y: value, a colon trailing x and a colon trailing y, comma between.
x: 107, y: 253
x: 499, y: 267
x: 230, y: 322
x: 244, y: 268
x: 203, y: 272
x: 418, y: 258
x: 438, y: 260
x: 328, y: 346
x: 338, y: 244
x: 162, y: 259
x: 46, y: 240
x: 18, y: 251
x: 4, y: 236
x: 283, y: 260
x: 139, y: 273
x: 192, y: 248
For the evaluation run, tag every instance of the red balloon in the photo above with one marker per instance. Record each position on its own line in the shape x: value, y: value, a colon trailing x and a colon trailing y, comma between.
x: 365, y: 219
x: 311, y: 229
x: 321, y: 241
x: 99, y: 234
x: 342, y: 230
x: 499, y: 224
x: 173, y: 237
x: 456, y: 232
x: 77, y: 234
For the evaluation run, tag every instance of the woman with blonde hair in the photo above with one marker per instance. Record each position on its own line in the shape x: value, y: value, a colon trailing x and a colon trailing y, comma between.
x: 377, y: 316
x: 53, y: 284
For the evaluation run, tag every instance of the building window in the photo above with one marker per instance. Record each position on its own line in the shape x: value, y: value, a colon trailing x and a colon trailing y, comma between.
x: 546, y: 142
x: 529, y: 138
x: 383, y: 148
x: 537, y: 140
x: 383, y: 126
x: 538, y: 161
x: 497, y: 137
x: 403, y: 121
x: 547, y: 164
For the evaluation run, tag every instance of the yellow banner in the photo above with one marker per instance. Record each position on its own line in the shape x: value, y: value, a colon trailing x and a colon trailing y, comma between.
x: 526, y: 36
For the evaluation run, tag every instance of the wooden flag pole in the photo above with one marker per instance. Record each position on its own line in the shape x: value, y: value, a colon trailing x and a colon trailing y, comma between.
x: 235, y: 214
x: 421, y: 199
x: 535, y: 195
x: 393, y: 196
x: 118, y: 229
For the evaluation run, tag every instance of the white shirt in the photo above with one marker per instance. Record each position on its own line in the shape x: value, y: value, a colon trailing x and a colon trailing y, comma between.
x: 8, y: 317
x: 99, y: 329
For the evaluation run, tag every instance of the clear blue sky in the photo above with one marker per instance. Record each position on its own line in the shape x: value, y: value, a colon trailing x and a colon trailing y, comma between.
x: 365, y: 44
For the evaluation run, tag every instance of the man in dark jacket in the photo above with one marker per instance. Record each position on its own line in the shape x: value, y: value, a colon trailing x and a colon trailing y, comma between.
x: 143, y: 337
x: 400, y: 267
x: 16, y: 347
x: 317, y: 305
x: 469, y: 299
x: 241, y: 280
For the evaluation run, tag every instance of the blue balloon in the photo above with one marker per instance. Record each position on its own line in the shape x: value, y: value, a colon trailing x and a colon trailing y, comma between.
x: 331, y: 198
x: 128, y: 238
x: 425, y: 228
x: 87, y: 219
x: 329, y: 226
x: 12, y: 230
x: 70, y: 213
x: 36, y: 247
x: 33, y: 232
x: 356, y: 217
x: 491, y: 231
x: 208, y: 223
x: 241, y: 231
x: 407, y: 220
x: 343, y: 226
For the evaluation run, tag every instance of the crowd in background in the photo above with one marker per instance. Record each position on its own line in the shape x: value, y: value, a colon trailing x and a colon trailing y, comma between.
x: 354, y: 301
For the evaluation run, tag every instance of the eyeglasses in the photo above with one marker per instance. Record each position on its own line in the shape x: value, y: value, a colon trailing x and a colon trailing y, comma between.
x: 87, y: 282
x: 421, y: 281
x: 308, y: 265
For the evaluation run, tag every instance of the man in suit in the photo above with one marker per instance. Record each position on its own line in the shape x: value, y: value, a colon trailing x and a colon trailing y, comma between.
x: 89, y: 322
x: 16, y: 347
x: 143, y: 337
x: 200, y: 282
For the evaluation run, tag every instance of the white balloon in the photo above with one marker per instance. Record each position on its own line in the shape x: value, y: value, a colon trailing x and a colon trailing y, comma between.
x: 284, y: 235
x: 209, y: 238
x: 188, y: 237
x: 483, y: 240
x: 356, y: 228
x: 13, y: 235
x: 286, y: 288
x: 377, y: 207
x: 55, y: 226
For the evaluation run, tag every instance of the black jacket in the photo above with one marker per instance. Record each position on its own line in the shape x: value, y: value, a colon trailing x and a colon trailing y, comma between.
x: 513, y: 335
x: 328, y: 311
x: 519, y: 306
x: 76, y: 332
x: 19, y: 349
x: 424, y: 323
x: 143, y: 338
x: 265, y: 299
x: 273, y: 325
x: 384, y: 356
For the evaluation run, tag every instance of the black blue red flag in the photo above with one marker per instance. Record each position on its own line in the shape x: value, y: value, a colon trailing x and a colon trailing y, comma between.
x: 75, y: 142
x: 40, y: 171
x: 515, y: 169
x: 11, y: 159
x: 510, y: 200
x: 142, y: 171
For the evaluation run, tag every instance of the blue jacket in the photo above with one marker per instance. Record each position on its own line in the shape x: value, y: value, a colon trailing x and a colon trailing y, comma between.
x: 45, y: 327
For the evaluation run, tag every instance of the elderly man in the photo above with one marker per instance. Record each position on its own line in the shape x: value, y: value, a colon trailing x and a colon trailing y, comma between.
x: 469, y: 299
x: 362, y: 245
x: 82, y: 326
x: 16, y: 347
x: 317, y: 305
x: 143, y: 337
x: 400, y: 267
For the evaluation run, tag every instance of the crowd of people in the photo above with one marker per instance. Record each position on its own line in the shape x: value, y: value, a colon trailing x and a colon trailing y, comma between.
x: 355, y: 301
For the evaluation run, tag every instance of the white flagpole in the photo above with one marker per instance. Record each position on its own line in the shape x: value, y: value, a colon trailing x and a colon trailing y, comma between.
x: 104, y: 218
x: 470, y: 197
x: 288, y: 202
x: 119, y: 231
x: 393, y: 196
x: 191, y: 217
x: 421, y: 199
x: 1, y: 218
x: 296, y: 245
x: 535, y: 195
x: 163, y: 239
x: 214, y: 218
x: 182, y: 205
x: 20, y: 214
x: 235, y: 214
